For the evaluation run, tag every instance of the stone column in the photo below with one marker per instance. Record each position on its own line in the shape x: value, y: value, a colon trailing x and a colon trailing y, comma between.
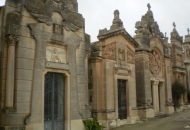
x: 86, y: 77
x: 155, y: 96
x: 11, y: 41
x: 185, y: 100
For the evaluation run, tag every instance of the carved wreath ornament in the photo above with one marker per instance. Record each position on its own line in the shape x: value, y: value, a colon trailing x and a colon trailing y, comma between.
x: 155, y: 62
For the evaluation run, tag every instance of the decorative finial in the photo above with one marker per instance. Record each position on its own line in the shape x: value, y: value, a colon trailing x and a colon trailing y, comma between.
x: 174, y: 25
x: 116, y: 14
x: 188, y: 30
x: 165, y: 34
x: 148, y: 5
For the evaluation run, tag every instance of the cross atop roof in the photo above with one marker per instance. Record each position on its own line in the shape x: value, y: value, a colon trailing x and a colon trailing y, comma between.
x: 188, y: 30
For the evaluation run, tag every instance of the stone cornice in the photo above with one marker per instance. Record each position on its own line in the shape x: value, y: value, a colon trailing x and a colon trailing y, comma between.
x: 104, y: 34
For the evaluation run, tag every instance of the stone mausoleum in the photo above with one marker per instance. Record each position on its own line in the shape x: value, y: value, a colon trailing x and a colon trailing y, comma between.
x: 52, y: 76
x: 44, y: 61
x: 112, y: 64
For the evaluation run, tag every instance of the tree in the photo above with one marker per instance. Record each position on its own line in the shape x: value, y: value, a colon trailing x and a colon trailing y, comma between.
x: 178, y: 89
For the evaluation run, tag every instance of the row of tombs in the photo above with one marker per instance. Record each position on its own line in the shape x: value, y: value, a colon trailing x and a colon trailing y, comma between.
x: 52, y: 77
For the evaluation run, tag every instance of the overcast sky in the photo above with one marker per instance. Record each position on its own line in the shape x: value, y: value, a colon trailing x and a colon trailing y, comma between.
x: 98, y: 14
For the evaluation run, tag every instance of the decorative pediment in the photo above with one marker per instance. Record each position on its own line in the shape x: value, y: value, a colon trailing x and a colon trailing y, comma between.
x: 43, y: 11
x: 148, y: 26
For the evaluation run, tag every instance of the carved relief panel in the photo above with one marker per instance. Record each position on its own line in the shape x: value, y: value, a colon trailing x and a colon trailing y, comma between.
x: 130, y: 56
x: 179, y: 60
x: 56, y: 54
x: 121, y: 54
x: 108, y: 52
x: 155, y: 62
x: 58, y: 29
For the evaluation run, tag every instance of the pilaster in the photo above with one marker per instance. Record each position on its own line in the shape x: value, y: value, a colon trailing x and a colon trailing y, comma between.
x: 10, y: 76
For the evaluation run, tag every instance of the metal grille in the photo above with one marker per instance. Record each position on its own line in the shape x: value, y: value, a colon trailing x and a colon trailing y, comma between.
x: 54, y: 102
x: 122, y: 104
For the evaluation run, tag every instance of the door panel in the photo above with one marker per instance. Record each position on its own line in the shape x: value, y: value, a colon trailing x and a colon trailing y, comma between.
x: 54, y: 102
x: 122, y: 102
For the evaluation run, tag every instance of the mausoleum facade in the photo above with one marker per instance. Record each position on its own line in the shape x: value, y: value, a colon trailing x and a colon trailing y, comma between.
x: 53, y: 77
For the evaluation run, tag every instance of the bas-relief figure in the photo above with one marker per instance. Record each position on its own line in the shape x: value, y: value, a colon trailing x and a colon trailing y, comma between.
x: 55, y: 54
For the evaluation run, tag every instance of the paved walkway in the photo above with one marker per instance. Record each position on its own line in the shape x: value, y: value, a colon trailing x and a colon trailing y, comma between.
x: 176, y: 121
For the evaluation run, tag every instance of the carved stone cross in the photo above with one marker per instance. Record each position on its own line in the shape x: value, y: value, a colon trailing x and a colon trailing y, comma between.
x: 188, y: 30
x: 148, y: 5
x: 165, y: 34
x: 174, y: 24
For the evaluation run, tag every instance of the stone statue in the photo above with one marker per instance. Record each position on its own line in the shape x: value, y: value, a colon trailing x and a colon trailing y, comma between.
x: 174, y: 25
x: 148, y: 5
x: 116, y: 14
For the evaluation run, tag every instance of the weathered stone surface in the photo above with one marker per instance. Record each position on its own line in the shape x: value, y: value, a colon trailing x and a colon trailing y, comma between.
x: 23, y: 85
x: 22, y: 107
x: 21, y: 94
x: 26, y: 42
x: 81, y: 88
x: 80, y: 79
x: 43, y: 14
x: 57, y: 65
x: 80, y: 61
x: 22, y: 63
x: 22, y: 74
x: 25, y: 53
x: 80, y: 70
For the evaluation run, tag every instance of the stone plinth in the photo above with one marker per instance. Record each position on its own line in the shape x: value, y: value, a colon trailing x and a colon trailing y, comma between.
x: 169, y: 109
x: 146, y: 112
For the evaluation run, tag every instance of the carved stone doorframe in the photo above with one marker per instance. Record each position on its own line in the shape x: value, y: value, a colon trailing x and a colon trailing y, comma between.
x: 158, y: 95
x: 67, y: 100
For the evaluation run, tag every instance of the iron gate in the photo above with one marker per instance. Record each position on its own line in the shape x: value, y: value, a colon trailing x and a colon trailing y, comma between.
x: 54, y: 101
x: 122, y: 102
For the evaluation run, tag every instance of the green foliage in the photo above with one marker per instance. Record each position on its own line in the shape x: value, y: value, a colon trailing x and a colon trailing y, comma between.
x: 177, y: 90
x: 92, y: 124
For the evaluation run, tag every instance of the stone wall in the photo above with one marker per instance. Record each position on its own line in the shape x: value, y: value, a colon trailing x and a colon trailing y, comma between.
x: 37, y: 45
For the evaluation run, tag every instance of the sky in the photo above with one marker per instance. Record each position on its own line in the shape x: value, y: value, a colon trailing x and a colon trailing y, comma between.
x: 98, y: 14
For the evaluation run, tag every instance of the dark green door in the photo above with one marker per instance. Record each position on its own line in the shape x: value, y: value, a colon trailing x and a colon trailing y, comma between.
x: 122, y: 101
x: 54, y: 101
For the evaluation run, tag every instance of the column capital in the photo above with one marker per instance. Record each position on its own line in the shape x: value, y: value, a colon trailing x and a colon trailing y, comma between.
x: 87, y: 55
x: 11, y: 39
x: 155, y: 83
